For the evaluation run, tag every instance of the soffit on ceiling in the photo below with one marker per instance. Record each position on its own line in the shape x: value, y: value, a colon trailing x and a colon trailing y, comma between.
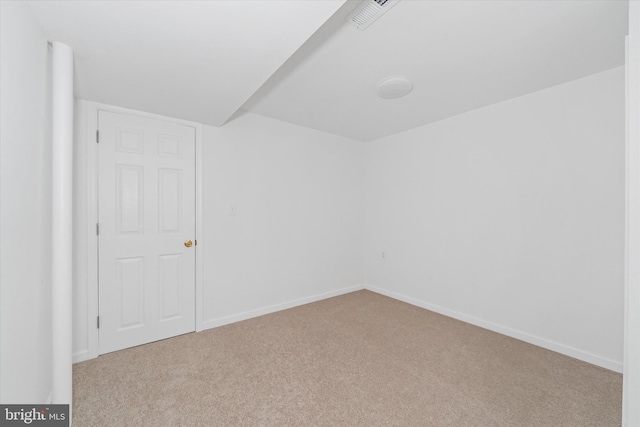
x: 195, y: 60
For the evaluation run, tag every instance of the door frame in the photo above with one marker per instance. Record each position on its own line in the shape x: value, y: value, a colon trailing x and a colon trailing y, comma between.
x: 91, y: 127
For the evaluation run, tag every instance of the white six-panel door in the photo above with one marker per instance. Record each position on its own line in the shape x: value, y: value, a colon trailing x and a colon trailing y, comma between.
x: 146, y: 207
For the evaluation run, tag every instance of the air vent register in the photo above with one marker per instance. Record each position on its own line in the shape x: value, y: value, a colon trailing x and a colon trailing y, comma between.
x: 369, y: 12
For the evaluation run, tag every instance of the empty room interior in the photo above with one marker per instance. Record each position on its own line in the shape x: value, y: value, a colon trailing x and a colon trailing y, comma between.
x: 340, y: 212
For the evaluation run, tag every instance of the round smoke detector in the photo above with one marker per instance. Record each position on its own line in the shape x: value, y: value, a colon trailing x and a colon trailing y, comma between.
x: 394, y: 87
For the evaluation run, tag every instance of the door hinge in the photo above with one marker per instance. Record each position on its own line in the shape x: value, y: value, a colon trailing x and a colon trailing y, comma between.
x: 97, y: 229
x: 98, y: 136
x: 98, y: 321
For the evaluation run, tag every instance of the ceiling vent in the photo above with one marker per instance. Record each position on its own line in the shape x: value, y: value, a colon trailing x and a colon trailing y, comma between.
x: 369, y: 12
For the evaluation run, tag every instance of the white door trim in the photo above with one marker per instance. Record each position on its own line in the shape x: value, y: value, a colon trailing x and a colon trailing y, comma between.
x: 92, y: 215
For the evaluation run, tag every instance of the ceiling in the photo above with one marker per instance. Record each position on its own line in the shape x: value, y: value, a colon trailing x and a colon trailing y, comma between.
x: 195, y: 60
x: 302, y: 62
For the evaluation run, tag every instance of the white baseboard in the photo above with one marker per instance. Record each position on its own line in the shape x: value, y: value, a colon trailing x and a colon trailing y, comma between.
x: 585, y: 356
x: 81, y: 356
x: 220, y: 321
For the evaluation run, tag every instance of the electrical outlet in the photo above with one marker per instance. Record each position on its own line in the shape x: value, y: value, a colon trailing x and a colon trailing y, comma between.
x: 384, y: 255
x: 233, y: 209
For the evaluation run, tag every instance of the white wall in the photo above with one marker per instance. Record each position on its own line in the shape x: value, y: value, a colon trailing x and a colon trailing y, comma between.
x: 25, y: 208
x: 631, y: 379
x: 297, y: 234
x: 510, y: 217
x: 81, y: 217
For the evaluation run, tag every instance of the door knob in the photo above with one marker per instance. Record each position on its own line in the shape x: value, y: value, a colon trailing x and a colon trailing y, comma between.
x: 188, y: 243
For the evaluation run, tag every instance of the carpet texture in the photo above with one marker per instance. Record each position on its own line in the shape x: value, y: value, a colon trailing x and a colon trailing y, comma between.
x: 360, y: 359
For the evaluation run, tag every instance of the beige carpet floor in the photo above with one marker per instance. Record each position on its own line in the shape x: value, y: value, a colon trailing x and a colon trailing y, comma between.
x: 360, y: 359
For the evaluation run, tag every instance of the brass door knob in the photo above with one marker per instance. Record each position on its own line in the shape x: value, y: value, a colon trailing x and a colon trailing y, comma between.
x: 188, y: 243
